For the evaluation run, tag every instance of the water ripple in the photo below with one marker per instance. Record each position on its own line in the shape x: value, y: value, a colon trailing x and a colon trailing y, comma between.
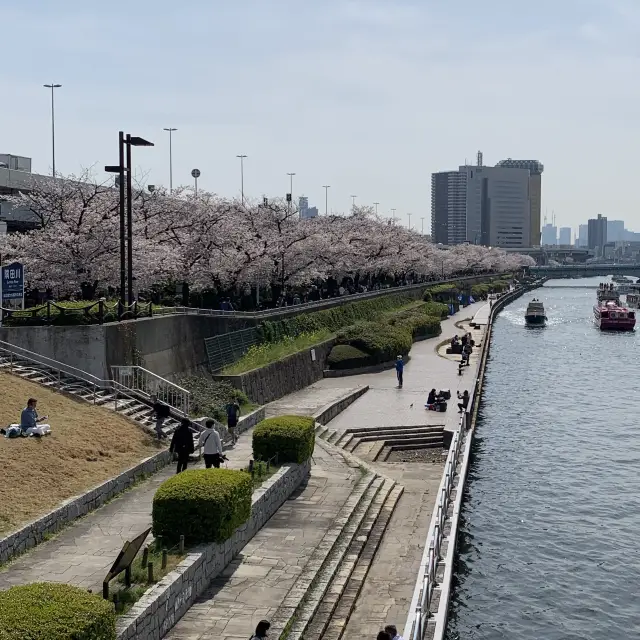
x: 548, y: 546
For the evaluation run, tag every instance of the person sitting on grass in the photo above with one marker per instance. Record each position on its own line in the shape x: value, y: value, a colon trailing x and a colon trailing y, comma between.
x: 30, y: 423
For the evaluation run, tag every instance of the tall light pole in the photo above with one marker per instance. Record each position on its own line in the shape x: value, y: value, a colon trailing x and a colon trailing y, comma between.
x: 242, y: 157
x: 376, y: 205
x: 422, y: 229
x: 170, y: 130
x: 409, y: 216
x: 353, y: 203
x: 394, y: 214
x: 53, y: 86
x: 326, y: 198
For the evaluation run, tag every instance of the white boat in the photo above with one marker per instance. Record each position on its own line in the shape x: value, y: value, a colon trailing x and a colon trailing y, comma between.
x: 535, y: 315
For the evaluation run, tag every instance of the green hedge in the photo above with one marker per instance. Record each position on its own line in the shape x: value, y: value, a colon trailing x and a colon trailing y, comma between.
x: 344, y: 356
x: 204, y: 505
x: 383, y: 342
x: 333, y: 319
x: 422, y: 327
x: 47, y: 611
x: 291, y: 437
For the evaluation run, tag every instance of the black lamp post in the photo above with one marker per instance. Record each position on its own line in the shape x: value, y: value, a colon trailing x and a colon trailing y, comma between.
x: 124, y: 172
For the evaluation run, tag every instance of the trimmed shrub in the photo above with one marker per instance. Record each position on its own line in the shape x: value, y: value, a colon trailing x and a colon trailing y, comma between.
x: 383, y: 342
x: 291, y: 437
x: 47, y: 611
x: 422, y: 326
x: 204, y: 505
x: 443, y: 292
x: 344, y: 356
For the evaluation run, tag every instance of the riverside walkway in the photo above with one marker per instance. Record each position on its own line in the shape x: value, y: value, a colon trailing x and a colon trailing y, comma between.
x: 256, y: 583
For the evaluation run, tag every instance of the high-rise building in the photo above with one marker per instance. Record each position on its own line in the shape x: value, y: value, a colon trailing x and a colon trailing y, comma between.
x: 583, y: 236
x: 303, y: 206
x: 597, y: 233
x: 498, y: 206
x: 448, y: 207
x: 615, y: 230
x: 535, y: 168
x: 549, y: 235
x: 564, y: 236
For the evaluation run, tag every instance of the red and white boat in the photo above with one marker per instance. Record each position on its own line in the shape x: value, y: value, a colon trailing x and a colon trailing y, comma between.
x: 609, y: 314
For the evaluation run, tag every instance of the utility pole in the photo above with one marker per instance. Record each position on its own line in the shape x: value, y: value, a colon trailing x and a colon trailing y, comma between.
x: 394, y: 214
x: 242, y: 157
x: 53, y: 86
x: 422, y: 230
x: 291, y: 174
x: 326, y: 198
x: 409, y: 216
x: 170, y: 130
x: 376, y: 205
x: 353, y: 203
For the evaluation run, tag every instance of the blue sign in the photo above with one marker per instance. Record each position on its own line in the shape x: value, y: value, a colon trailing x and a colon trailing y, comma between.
x: 13, y: 281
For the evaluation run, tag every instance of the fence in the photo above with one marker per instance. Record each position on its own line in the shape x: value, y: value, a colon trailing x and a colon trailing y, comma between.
x: 229, y: 347
x: 150, y: 385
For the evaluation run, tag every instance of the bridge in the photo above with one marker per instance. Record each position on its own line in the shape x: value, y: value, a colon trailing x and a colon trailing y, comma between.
x: 560, y: 253
x: 585, y: 270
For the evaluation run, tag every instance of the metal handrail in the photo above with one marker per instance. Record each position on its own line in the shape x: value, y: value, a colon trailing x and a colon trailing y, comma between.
x: 151, y: 385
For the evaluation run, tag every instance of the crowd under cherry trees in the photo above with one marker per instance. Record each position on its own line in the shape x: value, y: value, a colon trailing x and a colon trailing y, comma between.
x: 210, y: 242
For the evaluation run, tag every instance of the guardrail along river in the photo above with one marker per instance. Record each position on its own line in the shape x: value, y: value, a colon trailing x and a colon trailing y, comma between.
x: 549, y: 546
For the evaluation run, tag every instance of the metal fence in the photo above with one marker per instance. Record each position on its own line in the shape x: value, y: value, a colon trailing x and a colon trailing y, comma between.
x: 229, y: 347
x: 151, y: 385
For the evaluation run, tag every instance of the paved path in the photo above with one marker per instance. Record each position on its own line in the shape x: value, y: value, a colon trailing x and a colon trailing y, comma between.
x: 83, y: 553
x: 255, y: 584
x: 482, y: 315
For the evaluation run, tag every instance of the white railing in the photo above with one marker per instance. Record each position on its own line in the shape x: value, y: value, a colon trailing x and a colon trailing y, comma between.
x: 151, y: 386
x: 429, y: 582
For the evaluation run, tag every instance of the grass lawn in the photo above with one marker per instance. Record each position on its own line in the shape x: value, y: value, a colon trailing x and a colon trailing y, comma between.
x: 87, y: 446
x: 262, y: 354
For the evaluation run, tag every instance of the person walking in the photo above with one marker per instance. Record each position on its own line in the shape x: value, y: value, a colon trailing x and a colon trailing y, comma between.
x: 233, y: 412
x: 262, y: 630
x: 162, y: 411
x: 182, y: 444
x: 399, y: 370
x: 211, y: 446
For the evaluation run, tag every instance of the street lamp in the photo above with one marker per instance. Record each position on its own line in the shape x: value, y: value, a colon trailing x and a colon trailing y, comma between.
x: 394, y: 214
x: 353, y: 203
x: 376, y: 205
x: 291, y: 187
x: 409, y: 216
x: 422, y: 229
x: 170, y: 130
x: 242, y: 157
x: 121, y: 169
x: 53, y: 86
x: 326, y: 198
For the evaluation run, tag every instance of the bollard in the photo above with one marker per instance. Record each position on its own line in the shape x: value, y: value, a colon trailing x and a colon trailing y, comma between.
x: 145, y: 557
x: 127, y: 577
x: 181, y: 544
x: 150, y: 572
x: 164, y: 558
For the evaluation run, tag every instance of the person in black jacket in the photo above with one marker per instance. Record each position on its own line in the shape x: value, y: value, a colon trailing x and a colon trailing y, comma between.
x: 162, y: 411
x: 182, y: 443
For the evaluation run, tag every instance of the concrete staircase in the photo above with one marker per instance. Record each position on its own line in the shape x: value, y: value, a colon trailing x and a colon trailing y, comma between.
x: 377, y: 443
x: 126, y: 404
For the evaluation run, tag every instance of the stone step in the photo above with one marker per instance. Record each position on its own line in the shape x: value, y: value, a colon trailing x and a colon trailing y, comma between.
x: 343, y: 440
x: 348, y: 518
x: 392, y: 433
x: 317, y: 592
x: 414, y: 440
x: 322, y: 432
x: 342, y: 612
x: 333, y: 436
x: 379, y: 429
x: 316, y: 627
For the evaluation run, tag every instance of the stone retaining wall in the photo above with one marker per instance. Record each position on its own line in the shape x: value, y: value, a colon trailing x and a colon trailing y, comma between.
x: 330, y: 411
x: 285, y: 376
x: 34, y: 533
x: 165, y: 603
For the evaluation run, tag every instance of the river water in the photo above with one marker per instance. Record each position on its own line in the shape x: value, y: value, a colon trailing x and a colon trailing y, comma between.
x: 550, y: 537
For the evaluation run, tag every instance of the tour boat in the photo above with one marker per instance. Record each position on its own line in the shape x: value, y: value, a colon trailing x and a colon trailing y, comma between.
x: 609, y: 315
x: 535, y: 315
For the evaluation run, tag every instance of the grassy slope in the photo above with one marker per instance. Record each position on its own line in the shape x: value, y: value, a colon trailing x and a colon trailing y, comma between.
x: 88, y: 445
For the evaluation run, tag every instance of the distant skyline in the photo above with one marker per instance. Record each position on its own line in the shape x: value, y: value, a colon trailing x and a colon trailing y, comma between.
x: 367, y: 96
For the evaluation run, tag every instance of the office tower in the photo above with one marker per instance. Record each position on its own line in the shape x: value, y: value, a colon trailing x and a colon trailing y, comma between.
x: 549, y: 235
x: 535, y: 168
x: 564, y: 236
x: 448, y: 207
x: 583, y: 236
x: 597, y: 233
x: 303, y: 206
x: 615, y: 230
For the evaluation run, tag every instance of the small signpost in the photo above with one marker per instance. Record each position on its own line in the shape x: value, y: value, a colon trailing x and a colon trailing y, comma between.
x: 123, y: 562
x: 11, y: 286
x: 195, y: 174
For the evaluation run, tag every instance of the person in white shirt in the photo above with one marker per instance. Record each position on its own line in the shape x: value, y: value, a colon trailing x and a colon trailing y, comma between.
x: 211, y: 446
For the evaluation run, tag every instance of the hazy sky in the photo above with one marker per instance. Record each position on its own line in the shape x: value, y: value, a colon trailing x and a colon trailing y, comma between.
x: 367, y: 96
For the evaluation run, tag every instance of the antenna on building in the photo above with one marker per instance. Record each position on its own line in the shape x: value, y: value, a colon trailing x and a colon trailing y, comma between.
x: 479, y: 158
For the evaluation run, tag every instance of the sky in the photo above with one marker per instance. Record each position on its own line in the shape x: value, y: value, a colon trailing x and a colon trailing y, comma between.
x: 367, y: 96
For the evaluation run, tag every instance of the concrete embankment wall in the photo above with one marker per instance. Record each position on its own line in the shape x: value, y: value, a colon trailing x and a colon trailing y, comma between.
x: 165, y: 345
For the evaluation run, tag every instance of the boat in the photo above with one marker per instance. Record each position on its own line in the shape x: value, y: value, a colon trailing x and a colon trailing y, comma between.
x: 609, y: 314
x: 620, y: 279
x: 632, y: 297
x: 535, y: 315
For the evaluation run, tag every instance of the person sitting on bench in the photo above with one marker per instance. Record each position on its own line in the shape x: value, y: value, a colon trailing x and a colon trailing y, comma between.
x: 30, y: 423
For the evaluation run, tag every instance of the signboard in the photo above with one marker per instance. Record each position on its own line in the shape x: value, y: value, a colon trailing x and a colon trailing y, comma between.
x: 127, y: 555
x: 12, y: 282
x: 195, y: 173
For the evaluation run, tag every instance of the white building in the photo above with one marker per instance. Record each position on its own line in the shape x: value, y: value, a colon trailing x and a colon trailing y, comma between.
x: 549, y: 235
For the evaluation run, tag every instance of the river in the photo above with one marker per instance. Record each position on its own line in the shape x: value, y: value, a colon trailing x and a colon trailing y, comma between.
x: 550, y: 530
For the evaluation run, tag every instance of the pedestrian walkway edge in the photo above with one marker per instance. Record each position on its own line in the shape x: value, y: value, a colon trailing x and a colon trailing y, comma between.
x: 165, y: 603
x: 331, y: 410
x: 35, y: 532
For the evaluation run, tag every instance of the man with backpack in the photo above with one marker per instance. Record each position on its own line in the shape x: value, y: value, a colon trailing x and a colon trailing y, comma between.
x: 211, y: 446
x: 233, y: 413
